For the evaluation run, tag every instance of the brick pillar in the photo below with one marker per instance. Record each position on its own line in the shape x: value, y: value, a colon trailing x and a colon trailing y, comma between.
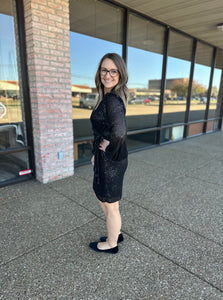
x: 48, y: 57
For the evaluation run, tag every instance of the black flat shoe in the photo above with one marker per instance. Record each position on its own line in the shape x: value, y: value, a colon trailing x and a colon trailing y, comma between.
x: 120, y: 238
x: 94, y: 247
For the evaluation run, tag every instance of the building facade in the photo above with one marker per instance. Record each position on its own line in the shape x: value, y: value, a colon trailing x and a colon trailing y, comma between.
x: 49, y: 52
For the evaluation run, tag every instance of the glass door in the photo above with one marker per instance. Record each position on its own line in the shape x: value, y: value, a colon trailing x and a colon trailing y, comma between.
x: 14, y: 162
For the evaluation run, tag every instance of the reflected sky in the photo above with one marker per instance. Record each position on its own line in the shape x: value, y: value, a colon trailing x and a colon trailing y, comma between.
x: 8, y: 64
x: 143, y: 66
x: 87, y: 51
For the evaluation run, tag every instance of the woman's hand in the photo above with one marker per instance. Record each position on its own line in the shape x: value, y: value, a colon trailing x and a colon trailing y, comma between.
x: 104, y: 144
x: 92, y: 160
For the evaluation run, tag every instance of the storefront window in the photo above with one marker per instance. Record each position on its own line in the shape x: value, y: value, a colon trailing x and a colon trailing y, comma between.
x: 177, y: 78
x: 13, y: 159
x: 145, y: 58
x: 95, y: 29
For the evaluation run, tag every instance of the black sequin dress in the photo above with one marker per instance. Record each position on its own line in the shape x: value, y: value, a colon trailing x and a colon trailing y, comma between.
x: 108, y: 122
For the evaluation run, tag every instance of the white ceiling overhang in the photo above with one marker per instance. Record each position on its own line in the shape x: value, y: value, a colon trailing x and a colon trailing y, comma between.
x: 197, y: 18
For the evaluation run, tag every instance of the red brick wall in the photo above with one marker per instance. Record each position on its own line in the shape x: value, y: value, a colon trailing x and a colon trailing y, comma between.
x: 48, y: 56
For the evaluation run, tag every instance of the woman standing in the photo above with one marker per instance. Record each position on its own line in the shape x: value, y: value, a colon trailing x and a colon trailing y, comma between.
x: 109, y: 148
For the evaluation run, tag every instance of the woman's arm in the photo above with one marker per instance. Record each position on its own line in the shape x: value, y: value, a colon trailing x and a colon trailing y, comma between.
x: 116, y: 120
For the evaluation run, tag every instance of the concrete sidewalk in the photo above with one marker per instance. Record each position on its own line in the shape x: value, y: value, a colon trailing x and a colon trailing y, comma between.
x: 172, y: 213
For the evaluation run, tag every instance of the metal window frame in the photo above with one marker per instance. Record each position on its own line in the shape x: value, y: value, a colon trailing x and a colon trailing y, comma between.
x: 125, y: 35
x: 25, y: 81
x: 163, y: 83
x: 221, y: 116
x: 209, y: 90
x: 190, y: 87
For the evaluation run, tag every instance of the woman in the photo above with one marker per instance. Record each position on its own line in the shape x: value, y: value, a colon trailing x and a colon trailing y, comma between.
x: 109, y: 148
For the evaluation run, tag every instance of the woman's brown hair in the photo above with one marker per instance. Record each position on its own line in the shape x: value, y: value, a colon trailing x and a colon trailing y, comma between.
x: 121, y: 88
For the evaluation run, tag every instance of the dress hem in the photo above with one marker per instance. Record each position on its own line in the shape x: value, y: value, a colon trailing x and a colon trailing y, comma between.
x: 111, y: 200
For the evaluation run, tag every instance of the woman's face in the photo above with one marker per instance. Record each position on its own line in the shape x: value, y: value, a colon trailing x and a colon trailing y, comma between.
x: 109, y: 79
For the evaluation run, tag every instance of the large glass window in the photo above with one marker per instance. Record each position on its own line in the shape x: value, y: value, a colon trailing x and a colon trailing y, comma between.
x: 13, y: 159
x: 95, y: 29
x: 201, y: 80
x: 9, y: 86
x: 145, y: 58
x: 177, y: 79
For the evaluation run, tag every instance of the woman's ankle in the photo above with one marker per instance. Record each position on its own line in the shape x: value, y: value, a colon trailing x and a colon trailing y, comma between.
x: 106, y: 245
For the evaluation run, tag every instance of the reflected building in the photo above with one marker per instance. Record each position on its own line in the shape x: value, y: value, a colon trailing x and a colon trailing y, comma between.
x: 155, y: 83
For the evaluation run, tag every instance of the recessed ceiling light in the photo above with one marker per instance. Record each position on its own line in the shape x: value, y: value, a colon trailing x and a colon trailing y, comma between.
x: 220, y: 26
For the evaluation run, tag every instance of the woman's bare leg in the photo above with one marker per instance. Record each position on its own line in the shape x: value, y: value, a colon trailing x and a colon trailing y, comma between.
x: 113, y: 223
x: 103, y: 207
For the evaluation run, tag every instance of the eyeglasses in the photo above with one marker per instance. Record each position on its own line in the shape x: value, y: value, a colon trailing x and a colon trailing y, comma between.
x: 112, y: 72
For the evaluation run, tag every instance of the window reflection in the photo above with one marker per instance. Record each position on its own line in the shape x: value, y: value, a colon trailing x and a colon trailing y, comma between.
x: 145, y: 58
x: 144, y: 97
x: 83, y: 70
x: 141, y: 140
x: 10, y: 105
x: 84, y: 95
x: 11, y: 119
x: 12, y: 165
x: 201, y: 81
x: 178, y: 72
x: 96, y: 29
x: 12, y: 135
x: 172, y: 134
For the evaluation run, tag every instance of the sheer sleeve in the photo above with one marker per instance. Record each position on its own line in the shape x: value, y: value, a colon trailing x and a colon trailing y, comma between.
x: 116, y: 120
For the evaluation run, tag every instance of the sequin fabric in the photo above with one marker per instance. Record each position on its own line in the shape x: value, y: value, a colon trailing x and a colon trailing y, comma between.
x: 108, y: 122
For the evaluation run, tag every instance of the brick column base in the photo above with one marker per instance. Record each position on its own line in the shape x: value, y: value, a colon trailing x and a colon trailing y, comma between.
x: 48, y: 56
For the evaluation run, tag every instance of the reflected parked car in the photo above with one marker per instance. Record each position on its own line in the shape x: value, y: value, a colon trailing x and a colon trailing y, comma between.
x: 155, y: 98
x: 15, y: 97
x: 137, y: 100
x: 147, y: 101
x: 89, y: 101
x: 203, y: 100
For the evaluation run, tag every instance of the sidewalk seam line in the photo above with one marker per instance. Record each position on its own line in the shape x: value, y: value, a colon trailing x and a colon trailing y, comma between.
x: 74, y: 201
x: 45, y: 243
x: 179, y: 225
x: 175, y: 263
